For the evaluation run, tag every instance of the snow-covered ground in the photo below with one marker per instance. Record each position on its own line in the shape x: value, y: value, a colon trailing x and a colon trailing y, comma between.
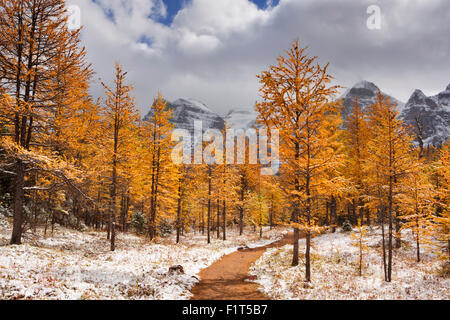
x: 335, y: 275
x: 75, y: 265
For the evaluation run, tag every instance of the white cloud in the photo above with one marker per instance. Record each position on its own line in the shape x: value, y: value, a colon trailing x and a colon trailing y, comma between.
x: 219, y: 17
x: 214, y: 48
x: 191, y: 42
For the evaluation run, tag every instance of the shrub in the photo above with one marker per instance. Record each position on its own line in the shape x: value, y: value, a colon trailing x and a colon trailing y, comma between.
x: 165, y: 228
x: 347, y: 226
x: 444, y: 270
x: 82, y: 227
x: 138, y: 222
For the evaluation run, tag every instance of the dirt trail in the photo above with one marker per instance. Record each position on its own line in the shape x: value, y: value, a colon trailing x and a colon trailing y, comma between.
x: 226, y: 279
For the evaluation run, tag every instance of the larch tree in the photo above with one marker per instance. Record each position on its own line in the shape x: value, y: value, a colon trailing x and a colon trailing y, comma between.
x: 441, y: 219
x: 247, y: 180
x: 417, y: 205
x: 209, y: 169
x: 161, y: 171
x: 120, y: 115
x: 196, y: 194
x: 359, y: 238
x: 227, y: 188
x: 389, y: 161
x: 180, y: 194
x: 298, y: 100
x: 356, y: 137
x: 36, y: 47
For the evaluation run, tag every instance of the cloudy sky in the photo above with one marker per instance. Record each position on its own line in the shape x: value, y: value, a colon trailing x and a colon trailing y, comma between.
x: 211, y: 50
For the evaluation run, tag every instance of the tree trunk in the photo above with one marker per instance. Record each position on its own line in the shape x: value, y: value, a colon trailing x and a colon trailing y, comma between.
x: 296, y: 213
x: 308, y: 232
x: 383, y: 238
x: 241, y: 207
x: 203, y: 220
x: 113, y: 207
x: 360, y: 255
x: 209, y: 205
x: 224, y: 229
x: 417, y: 238
x: 218, y: 220
x: 271, y: 213
x: 260, y: 231
x: 19, y: 184
x: 108, y: 228
x: 333, y: 209
x: 179, y: 213
x: 398, y: 236
x: 390, y: 247
x: 361, y: 211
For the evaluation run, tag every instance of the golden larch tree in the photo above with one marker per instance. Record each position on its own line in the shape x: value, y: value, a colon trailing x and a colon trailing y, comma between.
x: 298, y: 100
x: 120, y: 116
x: 388, y: 163
x: 36, y: 48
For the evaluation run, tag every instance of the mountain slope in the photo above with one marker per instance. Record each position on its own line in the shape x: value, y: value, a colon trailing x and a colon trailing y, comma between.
x: 186, y: 111
x: 431, y: 113
x: 366, y: 93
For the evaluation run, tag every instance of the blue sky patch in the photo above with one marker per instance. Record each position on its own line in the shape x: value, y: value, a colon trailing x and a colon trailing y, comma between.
x: 108, y: 12
x: 262, y: 4
x: 173, y: 6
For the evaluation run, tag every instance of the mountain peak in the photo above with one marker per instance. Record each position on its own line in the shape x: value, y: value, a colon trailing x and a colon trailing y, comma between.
x: 193, y: 103
x: 418, y: 93
x: 448, y: 88
x: 418, y: 97
x: 366, y: 93
x: 366, y: 85
x: 432, y: 114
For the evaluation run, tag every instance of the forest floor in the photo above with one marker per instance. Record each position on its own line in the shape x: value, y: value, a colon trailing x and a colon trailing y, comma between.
x: 228, y: 278
x: 79, y: 265
x: 335, y: 273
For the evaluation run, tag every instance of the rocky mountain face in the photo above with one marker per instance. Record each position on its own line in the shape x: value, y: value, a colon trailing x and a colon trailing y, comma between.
x: 186, y: 111
x: 366, y: 93
x: 429, y: 114
x: 432, y: 114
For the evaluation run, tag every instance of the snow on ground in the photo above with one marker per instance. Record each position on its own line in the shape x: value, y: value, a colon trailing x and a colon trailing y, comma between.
x: 335, y: 275
x: 75, y: 265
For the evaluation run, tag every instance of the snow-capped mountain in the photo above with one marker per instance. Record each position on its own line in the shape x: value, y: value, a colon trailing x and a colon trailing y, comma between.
x: 366, y: 93
x: 433, y: 114
x: 186, y: 111
x: 241, y: 119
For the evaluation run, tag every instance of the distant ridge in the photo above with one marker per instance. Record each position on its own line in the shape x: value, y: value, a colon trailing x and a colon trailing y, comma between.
x: 433, y: 112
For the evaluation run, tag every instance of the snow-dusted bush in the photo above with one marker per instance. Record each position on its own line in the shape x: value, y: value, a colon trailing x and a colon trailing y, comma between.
x: 3, y: 222
x: 5, y: 209
x: 165, y: 228
x: 82, y: 227
x: 138, y: 222
x: 347, y: 226
x: 444, y: 269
